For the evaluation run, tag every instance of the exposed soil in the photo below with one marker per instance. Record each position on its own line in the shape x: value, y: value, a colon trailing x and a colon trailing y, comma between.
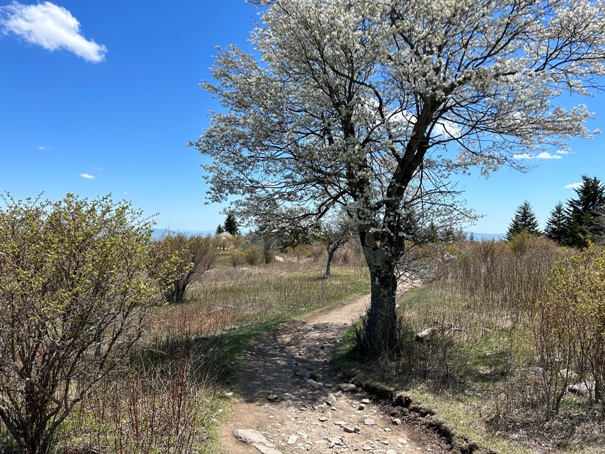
x: 291, y: 395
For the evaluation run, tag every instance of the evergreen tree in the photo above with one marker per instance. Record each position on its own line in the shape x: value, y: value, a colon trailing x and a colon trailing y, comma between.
x: 220, y: 229
x: 584, y: 214
x: 557, y: 224
x: 231, y: 225
x: 524, y: 221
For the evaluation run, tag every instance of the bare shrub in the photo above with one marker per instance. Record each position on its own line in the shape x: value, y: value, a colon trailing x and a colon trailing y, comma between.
x: 509, y: 276
x: 156, y: 407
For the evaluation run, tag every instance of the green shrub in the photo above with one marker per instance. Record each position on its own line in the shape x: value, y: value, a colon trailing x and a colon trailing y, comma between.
x: 252, y: 255
x: 237, y: 258
x: 569, y: 327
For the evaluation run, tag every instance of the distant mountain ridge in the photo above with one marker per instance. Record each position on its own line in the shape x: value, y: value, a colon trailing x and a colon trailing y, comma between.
x: 486, y: 236
x: 159, y: 233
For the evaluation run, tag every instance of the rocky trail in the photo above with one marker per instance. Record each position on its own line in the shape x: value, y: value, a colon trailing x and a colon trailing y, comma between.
x: 292, y: 401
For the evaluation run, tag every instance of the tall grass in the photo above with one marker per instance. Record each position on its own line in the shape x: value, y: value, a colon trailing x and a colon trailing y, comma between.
x: 247, y: 297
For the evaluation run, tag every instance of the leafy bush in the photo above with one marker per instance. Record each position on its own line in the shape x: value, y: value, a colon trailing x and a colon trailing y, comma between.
x: 569, y: 327
x: 253, y: 255
x: 74, y: 288
x: 237, y: 258
x: 182, y: 260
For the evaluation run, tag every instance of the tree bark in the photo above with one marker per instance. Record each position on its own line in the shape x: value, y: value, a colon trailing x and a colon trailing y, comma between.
x: 332, y: 248
x: 380, y: 333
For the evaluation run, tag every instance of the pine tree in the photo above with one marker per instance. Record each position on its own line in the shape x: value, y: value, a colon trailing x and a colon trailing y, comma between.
x: 524, y: 221
x: 584, y: 213
x: 220, y: 229
x: 557, y: 224
x: 231, y: 225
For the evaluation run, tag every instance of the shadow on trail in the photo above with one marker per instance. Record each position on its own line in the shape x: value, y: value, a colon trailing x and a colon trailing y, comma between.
x: 291, y: 362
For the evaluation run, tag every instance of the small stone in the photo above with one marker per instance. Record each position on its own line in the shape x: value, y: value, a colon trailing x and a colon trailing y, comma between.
x: 272, y: 397
x: 323, y: 418
x: 370, y: 422
x: 396, y: 421
x: 386, y: 429
x: 347, y: 387
x: 357, y: 429
x: 349, y: 429
x: 331, y: 399
x: 361, y: 407
x: 304, y: 373
x: 386, y: 442
x: 368, y: 448
x: 293, y: 439
x: 365, y: 401
x: 340, y: 423
x: 335, y: 441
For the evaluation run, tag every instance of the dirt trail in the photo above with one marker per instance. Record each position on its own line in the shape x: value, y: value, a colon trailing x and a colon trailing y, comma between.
x: 291, y: 397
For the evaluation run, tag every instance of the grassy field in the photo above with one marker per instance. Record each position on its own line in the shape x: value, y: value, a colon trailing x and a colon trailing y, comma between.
x: 178, y: 385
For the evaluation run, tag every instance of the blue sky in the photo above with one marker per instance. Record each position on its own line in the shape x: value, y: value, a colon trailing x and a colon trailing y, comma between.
x: 102, y: 97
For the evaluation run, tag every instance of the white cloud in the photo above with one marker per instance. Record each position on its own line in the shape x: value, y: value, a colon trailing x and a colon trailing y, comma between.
x: 523, y: 156
x: 543, y: 155
x: 50, y: 26
x: 547, y: 155
x: 87, y: 176
x: 573, y: 185
x: 563, y: 151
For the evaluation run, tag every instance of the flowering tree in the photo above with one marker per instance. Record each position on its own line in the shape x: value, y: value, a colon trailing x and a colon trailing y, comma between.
x: 371, y: 104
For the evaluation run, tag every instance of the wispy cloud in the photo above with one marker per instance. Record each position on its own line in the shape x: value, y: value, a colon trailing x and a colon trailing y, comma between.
x: 87, y: 176
x: 543, y: 155
x: 574, y: 185
x: 50, y: 26
x: 43, y: 148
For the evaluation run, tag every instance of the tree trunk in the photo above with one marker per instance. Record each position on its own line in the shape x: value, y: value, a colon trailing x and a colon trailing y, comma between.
x: 331, y: 251
x: 380, y: 333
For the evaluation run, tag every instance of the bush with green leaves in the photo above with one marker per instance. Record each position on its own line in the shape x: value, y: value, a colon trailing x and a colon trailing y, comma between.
x: 569, y: 327
x: 182, y: 260
x: 74, y: 289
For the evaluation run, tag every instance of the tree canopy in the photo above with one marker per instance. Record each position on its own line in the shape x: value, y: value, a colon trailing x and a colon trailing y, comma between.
x: 370, y: 105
